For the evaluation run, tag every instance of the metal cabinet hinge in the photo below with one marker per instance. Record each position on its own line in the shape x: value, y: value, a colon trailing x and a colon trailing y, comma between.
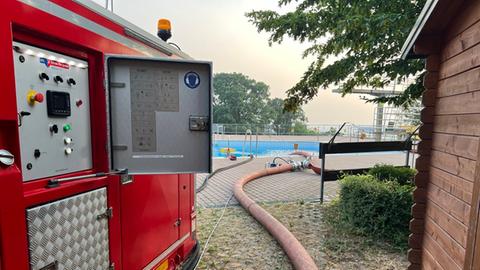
x: 120, y: 147
x: 117, y: 85
x: 126, y: 179
x: 108, y: 214
x: 177, y: 223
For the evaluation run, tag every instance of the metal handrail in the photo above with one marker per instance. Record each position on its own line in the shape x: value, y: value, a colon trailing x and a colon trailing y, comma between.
x: 256, y: 143
x: 247, y: 132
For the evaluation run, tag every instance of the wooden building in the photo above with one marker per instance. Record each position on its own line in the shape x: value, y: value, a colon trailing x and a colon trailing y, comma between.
x: 446, y: 227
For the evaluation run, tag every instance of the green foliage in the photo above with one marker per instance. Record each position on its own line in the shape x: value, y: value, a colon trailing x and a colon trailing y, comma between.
x: 362, y: 38
x: 241, y: 100
x: 279, y: 117
x: 401, y: 175
x: 376, y: 208
x: 302, y: 129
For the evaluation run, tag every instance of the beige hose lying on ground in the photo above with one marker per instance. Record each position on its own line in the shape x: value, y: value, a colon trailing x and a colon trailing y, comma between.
x: 297, y: 254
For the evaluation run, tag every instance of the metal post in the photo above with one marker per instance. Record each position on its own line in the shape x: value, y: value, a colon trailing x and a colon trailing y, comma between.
x: 407, y: 159
x: 322, y: 178
x: 256, y: 143
x: 251, y: 150
x: 379, y: 122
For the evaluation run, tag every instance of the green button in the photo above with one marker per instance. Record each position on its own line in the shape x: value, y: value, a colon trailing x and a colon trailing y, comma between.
x: 67, y: 127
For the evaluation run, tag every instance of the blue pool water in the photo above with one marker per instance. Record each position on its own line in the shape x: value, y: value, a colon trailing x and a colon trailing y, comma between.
x: 265, y: 148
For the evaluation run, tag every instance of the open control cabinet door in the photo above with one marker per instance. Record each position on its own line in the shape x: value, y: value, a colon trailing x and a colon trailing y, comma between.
x: 160, y: 115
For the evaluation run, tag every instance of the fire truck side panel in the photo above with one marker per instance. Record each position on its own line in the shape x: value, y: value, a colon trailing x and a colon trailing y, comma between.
x: 185, y: 204
x: 13, y: 227
x: 148, y: 223
x: 14, y: 250
x: 147, y: 206
x: 97, y: 18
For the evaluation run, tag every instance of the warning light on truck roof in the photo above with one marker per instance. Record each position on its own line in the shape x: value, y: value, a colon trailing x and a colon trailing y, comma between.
x: 164, y: 29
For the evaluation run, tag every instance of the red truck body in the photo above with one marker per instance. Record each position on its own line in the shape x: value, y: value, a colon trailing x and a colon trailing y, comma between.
x: 152, y: 218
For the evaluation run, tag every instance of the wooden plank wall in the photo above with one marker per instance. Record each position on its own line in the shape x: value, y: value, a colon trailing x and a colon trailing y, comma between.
x: 451, y: 145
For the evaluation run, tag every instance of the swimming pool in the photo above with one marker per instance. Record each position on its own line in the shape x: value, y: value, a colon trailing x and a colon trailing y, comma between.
x: 264, y: 149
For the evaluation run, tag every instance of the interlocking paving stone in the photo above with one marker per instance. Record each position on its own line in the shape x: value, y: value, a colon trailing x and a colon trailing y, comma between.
x: 292, y: 186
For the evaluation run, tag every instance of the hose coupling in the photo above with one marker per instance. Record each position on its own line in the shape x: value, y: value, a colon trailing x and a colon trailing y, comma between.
x: 299, y: 165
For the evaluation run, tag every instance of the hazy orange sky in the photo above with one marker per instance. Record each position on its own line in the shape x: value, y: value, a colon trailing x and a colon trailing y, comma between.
x: 218, y: 31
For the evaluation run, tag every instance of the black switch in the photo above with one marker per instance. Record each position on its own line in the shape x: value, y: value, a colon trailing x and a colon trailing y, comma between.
x: 54, y: 129
x: 58, y: 79
x: 71, y: 81
x: 36, y: 153
x: 43, y: 76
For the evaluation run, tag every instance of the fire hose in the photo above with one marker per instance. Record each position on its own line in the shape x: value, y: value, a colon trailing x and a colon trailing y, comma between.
x: 292, y: 247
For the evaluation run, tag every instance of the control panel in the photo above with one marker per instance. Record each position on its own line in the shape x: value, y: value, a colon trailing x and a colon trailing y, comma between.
x: 160, y: 115
x: 52, y: 92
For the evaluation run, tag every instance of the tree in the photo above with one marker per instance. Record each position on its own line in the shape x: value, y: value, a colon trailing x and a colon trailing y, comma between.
x: 300, y: 128
x: 239, y: 99
x: 281, y: 119
x: 364, y: 38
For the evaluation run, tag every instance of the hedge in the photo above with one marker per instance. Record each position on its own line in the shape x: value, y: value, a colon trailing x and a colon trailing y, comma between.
x: 402, y: 175
x: 376, y: 208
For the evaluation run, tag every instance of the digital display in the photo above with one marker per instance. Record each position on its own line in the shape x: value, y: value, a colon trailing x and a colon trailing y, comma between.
x: 58, y: 103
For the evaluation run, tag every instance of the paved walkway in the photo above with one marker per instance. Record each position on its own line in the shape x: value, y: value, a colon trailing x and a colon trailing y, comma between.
x: 304, y: 185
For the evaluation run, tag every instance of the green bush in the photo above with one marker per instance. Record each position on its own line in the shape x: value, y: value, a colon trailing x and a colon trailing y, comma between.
x: 380, y: 209
x: 402, y: 175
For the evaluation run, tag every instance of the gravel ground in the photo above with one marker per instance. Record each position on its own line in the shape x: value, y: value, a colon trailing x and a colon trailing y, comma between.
x: 241, y: 243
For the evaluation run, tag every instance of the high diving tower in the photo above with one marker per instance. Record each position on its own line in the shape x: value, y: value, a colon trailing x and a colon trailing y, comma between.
x: 379, y: 115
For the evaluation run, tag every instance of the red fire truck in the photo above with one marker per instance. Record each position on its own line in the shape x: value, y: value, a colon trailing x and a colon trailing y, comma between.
x: 102, y: 127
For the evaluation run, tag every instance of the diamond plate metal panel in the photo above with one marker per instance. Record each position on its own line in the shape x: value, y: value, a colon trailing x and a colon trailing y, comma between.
x: 67, y: 233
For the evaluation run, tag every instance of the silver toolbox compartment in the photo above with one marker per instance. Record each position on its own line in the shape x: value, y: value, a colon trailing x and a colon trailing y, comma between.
x: 68, y: 234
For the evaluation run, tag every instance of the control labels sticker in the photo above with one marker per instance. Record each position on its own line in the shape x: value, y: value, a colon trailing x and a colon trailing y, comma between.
x: 192, y: 80
x: 53, y: 63
x: 152, y: 90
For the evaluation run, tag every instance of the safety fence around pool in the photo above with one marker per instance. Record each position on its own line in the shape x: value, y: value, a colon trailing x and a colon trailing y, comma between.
x: 313, y: 132
x: 274, y: 140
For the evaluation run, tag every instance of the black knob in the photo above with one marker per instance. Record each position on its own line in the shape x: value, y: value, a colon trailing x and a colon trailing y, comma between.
x: 54, y: 128
x: 36, y: 153
x: 43, y: 76
x: 58, y: 79
x: 71, y: 81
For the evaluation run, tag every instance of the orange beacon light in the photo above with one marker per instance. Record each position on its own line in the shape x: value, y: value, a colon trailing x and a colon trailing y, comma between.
x: 164, y: 29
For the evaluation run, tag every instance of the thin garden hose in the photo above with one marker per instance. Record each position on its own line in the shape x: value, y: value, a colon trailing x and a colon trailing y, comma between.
x: 213, y: 231
x: 205, y: 182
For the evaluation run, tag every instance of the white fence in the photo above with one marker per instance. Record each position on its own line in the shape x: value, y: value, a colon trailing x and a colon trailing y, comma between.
x: 316, y: 132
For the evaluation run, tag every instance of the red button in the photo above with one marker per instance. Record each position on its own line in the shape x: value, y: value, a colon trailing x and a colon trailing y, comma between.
x: 79, y: 102
x: 38, y: 97
x: 33, y: 97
